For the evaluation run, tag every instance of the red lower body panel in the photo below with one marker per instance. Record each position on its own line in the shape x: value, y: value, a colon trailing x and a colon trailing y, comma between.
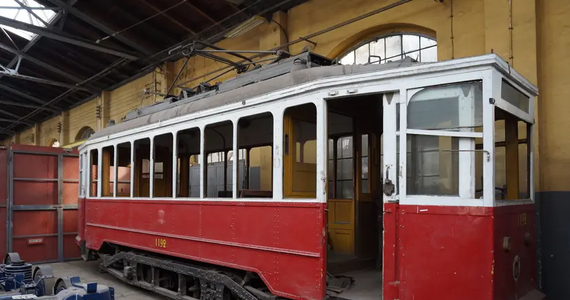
x: 449, y: 253
x: 282, y: 242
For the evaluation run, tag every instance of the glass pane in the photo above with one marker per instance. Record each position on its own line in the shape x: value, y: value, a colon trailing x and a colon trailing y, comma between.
x: 310, y: 152
x: 365, y: 145
x: 446, y: 107
x: 397, y: 116
x: 514, y: 97
x: 344, y: 149
x: 348, y: 59
x: 434, y: 166
x: 330, y: 170
x: 411, y: 43
x: 304, y: 170
x: 364, y: 181
x: 414, y: 55
x: 429, y: 55
x: 377, y: 48
x: 500, y: 173
x: 344, y: 169
x: 305, y: 135
x: 331, y: 148
x: 146, y: 166
x: 362, y: 54
x: 344, y: 189
x: 158, y: 167
x: 523, y: 172
x: 393, y: 48
x: 427, y: 42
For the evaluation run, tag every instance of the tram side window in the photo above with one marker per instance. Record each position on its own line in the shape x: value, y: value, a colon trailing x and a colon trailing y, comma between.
x: 218, y: 174
x: 255, y: 168
x: 345, y: 170
x: 438, y: 160
x: 123, y: 180
x: 365, y: 163
x: 93, y: 172
x: 512, y: 160
x: 188, y: 163
x: 300, y: 150
x: 107, y: 172
x: 162, y: 177
x: 142, y: 167
x: 434, y: 165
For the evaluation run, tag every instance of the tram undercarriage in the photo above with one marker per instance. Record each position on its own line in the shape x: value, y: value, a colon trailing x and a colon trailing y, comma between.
x: 179, y: 279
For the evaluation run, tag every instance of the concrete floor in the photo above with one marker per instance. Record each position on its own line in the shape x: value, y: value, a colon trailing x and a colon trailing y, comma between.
x: 89, y: 272
x: 367, y: 285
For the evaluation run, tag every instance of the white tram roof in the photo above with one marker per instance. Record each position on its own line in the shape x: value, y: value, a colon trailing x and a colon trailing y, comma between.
x: 236, y: 90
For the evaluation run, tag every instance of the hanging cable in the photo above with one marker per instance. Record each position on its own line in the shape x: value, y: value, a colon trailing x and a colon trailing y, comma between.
x: 452, y: 38
x: 140, y: 22
x: 511, y: 51
x: 284, y: 32
x: 178, y: 76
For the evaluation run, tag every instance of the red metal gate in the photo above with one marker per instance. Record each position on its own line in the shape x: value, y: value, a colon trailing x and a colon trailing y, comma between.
x: 42, y: 203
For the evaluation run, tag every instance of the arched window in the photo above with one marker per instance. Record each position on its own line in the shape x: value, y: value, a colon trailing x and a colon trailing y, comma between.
x: 84, y: 133
x: 53, y: 143
x: 392, y: 47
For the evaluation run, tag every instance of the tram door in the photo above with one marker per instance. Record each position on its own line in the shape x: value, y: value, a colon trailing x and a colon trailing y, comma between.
x: 353, y: 169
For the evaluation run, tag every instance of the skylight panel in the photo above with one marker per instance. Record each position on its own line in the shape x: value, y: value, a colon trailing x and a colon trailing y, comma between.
x: 11, y: 9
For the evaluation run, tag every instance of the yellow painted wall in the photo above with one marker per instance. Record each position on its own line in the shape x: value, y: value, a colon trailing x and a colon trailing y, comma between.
x: 129, y: 97
x: 81, y: 116
x: 48, y: 132
x: 553, y: 73
x: 536, y: 46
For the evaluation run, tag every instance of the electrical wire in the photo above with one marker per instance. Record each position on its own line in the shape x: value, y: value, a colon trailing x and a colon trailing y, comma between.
x: 140, y: 22
x: 284, y: 32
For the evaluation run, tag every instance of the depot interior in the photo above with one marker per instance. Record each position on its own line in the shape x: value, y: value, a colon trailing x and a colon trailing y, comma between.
x: 74, y: 89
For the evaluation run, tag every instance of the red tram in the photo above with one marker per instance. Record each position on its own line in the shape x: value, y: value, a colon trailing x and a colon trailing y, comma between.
x: 304, y: 179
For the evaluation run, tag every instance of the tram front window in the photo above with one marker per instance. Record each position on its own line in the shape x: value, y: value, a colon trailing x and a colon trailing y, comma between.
x: 442, y: 154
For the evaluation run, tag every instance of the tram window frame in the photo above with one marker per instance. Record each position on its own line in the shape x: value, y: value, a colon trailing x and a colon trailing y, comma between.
x: 188, y: 156
x: 93, y: 172
x: 294, y: 115
x: 463, y: 157
x: 81, y: 189
x: 162, y: 168
x: 212, y: 133
x: 138, y: 188
x: 506, y: 123
x: 255, y: 132
x: 118, y: 173
x: 107, y: 171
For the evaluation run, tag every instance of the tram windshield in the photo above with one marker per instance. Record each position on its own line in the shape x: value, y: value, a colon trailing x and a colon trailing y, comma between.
x: 457, y: 143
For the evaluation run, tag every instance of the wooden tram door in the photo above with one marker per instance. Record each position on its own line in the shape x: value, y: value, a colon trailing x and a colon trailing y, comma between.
x: 353, y: 163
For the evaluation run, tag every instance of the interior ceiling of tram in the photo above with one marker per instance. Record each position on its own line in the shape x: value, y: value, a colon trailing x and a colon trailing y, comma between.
x: 365, y: 109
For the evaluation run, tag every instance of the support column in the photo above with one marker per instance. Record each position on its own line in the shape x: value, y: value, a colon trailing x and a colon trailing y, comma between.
x: 104, y: 110
x: 36, y: 134
x: 64, y: 130
x: 166, y: 79
x: 15, y: 139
